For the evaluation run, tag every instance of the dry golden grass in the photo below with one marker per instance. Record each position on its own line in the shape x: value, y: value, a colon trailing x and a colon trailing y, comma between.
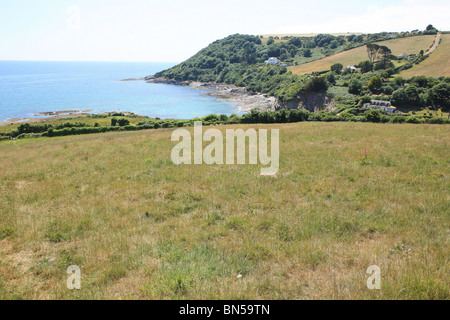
x: 347, y: 196
x: 437, y: 65
x: 355, y: 56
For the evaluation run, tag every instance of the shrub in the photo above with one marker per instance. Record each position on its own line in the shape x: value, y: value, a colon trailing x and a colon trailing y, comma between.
x: 373, y: 115
x: 355, y: 86
x: 298, y: 115
x: 123, y: 122
x: 211, y: 118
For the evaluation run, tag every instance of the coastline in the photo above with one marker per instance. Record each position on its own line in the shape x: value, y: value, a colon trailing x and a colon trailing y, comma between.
x: 243, y: 99
x: 50, y: 115
x: 240, y: 97
x: 54, y: 115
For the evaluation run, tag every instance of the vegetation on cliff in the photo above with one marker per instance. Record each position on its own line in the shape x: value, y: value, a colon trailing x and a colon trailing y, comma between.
x: 240, y: 60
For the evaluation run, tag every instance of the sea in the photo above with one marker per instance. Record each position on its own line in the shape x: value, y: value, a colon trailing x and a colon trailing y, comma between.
x: 28, y: 88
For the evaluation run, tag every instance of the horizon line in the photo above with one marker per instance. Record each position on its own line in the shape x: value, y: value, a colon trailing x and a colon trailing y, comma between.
x: 116, y: 61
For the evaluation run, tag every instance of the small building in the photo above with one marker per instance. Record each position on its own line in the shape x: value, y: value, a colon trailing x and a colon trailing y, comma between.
x: 352, y: 68
x: 403, y: 56
x: 380, y: 105
x: 273, y: 60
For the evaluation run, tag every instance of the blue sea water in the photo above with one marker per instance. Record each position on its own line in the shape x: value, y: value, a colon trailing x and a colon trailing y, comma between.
x: 30, y: 87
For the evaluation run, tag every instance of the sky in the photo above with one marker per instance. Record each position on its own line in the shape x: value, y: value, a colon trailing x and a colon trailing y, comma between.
x: 174, y: 30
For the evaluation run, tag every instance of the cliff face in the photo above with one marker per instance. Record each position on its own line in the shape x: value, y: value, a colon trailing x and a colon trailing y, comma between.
x: 313, y: 102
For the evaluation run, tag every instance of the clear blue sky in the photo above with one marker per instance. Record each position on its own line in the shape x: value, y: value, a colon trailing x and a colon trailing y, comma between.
x: 174, y: 30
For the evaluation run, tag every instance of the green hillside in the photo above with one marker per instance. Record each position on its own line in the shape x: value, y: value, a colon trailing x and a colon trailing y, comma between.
x: 240, y: 60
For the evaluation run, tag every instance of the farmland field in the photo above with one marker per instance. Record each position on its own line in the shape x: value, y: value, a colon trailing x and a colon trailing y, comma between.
x: 347, y: 196
x: 436, y: 65
x: 354, y: 56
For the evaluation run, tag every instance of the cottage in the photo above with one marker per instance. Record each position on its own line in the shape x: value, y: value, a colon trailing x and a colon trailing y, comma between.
x: 403, y: 56
x: 380, y: 105
x: 352, y: 68
x: 273, y: 60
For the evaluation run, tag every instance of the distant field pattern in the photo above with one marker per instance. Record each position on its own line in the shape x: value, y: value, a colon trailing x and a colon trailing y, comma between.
x: 355, y: 56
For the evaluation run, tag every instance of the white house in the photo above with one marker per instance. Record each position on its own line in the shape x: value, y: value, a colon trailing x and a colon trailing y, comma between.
x: 273, y: 60
x: 404, y: 56
x: 380, y: 105
x: 352, y: 68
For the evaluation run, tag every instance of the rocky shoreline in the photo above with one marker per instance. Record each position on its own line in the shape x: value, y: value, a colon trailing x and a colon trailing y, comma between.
x: 240, y: 97
x: 243, y: 99
x: 45, y: 116
x: 54, y: 115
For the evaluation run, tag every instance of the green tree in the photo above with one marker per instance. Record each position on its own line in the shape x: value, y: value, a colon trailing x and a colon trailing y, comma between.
x: 331, y: 78
x: 366, y: 66
x: 334, y: 44
x: 316, y: 84
x: 384, y: 53
x: 373, y: 115
x: 413, y: 95
x: 122, y: 122
x: 372, y: 52
x: 337, y: 68
x: 359, y: 38
x: 307, y: 53
x: 296, y: 41
x: 355, y: 86
x: 375, y: 84
x: 440, y: 96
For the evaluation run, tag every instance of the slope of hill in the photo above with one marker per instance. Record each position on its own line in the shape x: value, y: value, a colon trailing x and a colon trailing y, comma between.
x: 438, y: 64
x: 398, y: 46
x: 348, y: 195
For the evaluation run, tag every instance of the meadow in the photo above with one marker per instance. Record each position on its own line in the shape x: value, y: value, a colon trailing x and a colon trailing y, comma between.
x: 347, y: 196
x: 436, y: 65
x: 408, y: 45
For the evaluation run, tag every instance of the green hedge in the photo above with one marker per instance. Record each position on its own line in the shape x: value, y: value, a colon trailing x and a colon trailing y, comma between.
x: 254, y: 116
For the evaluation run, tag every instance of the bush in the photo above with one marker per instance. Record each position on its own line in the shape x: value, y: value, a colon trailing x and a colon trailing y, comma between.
x: 211, y: 118
x: 316, y: 84
x: 373, y: 115
x: 398, y: 119
x: 337, y: 68
x: 121, y: 122
x: 355, y: 86
x: 415, y: 119
x: 298, y: 115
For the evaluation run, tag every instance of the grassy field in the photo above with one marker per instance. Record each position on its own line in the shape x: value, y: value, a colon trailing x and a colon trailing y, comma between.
x: 8, y: 127
x: 347, y: 196
x: 398, y: 46
x: 436, y: 65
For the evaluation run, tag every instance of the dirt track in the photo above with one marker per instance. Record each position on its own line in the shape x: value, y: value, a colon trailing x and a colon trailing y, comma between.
x: 435, y: 44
